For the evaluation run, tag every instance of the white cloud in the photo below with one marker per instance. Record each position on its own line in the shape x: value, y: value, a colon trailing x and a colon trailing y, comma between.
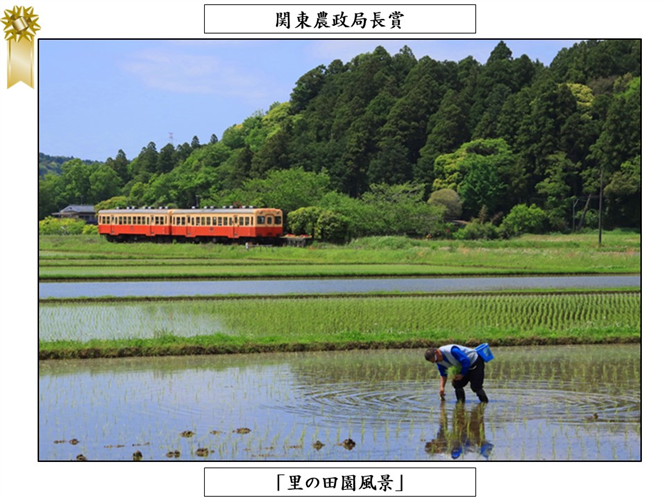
x: 193, y: 73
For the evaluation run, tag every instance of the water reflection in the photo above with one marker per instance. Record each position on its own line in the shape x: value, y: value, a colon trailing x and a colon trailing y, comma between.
x: 466, y: 435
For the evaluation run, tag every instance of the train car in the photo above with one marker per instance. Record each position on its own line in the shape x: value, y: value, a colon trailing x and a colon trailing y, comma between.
x: 208, y: 224
x: 135, y: 224
x: 227, y: 224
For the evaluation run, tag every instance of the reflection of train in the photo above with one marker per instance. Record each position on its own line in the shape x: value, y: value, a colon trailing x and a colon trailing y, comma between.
x: 208, y: 224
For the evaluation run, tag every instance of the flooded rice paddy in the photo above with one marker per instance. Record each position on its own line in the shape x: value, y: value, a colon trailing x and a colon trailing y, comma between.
x: 309, y: 286
x: 331, y: 317
x: 546, y: 403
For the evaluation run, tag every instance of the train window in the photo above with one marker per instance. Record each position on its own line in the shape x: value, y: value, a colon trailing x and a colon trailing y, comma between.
x: 261, y: 219
x: 269, y: 220
x: 143, y: 220
x: 278, y: 220
x: 251, y: 221
x: 235, y: 219
x: 208, y: 221
x: 240, y: 222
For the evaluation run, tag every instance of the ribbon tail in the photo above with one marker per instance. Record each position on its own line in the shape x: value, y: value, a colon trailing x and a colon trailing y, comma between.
x: 20, y: 62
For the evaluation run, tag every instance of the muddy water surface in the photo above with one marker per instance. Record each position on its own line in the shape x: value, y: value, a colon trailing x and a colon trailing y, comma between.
x: 546, y: 403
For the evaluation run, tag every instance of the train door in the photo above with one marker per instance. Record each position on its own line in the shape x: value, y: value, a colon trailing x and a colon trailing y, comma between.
x: 235, y: 225
x: 188, y: 227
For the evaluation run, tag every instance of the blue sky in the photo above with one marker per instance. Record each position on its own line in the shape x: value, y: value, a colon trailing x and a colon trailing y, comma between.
x: 99, y: 96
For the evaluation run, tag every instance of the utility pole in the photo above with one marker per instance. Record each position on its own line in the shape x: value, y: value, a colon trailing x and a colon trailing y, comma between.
x: 601, y: 192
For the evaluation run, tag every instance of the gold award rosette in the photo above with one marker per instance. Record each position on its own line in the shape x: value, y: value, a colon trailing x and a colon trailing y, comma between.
x: 20, y: 29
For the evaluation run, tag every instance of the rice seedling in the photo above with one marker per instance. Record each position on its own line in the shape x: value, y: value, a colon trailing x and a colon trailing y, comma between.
x: 231, y: 324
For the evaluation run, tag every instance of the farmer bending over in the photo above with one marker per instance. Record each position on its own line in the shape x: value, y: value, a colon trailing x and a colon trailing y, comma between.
x: 458, y: 357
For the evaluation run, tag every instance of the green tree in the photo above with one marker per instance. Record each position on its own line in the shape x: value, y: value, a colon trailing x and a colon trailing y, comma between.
x: 447, y: 131
x: 111, y: 203
x: 449, y: 201
x: 556, y: 190
x: 75, y: 182
x: 120, y: 165
x: 307, y: 87
x: 285, y: 189
x: 145, y: 164
x: 104, y: 183
x: 166, y: 159
x: 332, y: 227
x: 400, y: 209
x: 524, y: 219
x: 483, y: 172
x: 303, y: 220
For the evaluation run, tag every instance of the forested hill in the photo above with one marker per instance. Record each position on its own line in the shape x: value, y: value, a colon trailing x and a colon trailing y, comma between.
x: 495, y: 135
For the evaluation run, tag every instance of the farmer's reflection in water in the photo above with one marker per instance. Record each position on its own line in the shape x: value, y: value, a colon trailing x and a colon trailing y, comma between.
x: 467, y: 433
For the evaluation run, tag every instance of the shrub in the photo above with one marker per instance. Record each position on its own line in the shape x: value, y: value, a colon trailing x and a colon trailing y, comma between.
x: 303, y: 220
x: 332, y: 227
x: 449, y: 200
x: 476, y: 230
x: 53, y: 225
x: 524, y: 219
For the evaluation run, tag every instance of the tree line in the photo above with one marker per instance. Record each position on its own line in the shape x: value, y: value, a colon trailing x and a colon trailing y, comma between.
x: 511, y: 145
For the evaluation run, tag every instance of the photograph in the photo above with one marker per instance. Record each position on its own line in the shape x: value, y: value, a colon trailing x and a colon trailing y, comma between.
x: 265, y: 289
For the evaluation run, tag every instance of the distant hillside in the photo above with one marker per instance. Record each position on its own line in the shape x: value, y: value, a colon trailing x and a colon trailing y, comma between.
x: 53, y: 164
x: 510, y: 133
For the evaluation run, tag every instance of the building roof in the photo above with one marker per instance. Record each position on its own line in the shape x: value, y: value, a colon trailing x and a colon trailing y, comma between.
x: 78, y: 208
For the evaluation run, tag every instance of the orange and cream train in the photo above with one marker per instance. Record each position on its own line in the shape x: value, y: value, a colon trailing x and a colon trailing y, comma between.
x: 208, y: 224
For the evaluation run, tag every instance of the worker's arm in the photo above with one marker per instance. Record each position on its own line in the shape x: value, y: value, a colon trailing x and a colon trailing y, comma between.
x: 442, y: 384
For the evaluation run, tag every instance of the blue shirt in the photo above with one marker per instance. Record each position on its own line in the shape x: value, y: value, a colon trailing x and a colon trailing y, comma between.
x: 454, y: 355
